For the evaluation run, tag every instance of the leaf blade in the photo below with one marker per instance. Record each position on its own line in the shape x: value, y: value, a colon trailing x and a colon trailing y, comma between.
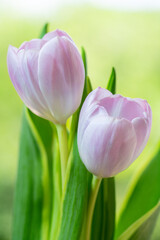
x: 44, y: 30
x: 27, y: 210
x: 143, y: 196
x: 75, y: 197
x: 143, y: 227
x: 111, y: 86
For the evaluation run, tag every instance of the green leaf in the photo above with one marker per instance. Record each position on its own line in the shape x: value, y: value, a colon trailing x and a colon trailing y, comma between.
x: 144, y: 195
x: 75, y: 197
x: 89, y: 86
x: 27, y: 207
x: 143, y: 227
x: 43, y: 134
x: 98, y: 216
x: 44, y: 30
x: 29, y: 195
x: 146, y: 229
x: 84, y: 58
x: 112, y: 82
x: 104, y: 213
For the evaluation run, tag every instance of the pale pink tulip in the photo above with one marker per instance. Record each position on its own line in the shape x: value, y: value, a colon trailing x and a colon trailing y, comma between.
x: 48, y: 75
x: 112, y: 131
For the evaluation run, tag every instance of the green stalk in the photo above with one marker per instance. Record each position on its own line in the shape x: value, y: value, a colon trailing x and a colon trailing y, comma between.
x: 46, y: 201
x: 91, y: 205
x: 57, y: 192
x: 63, y: 146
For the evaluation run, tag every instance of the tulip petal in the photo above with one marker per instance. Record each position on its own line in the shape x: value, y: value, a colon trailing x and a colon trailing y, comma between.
x: 61, y: 77
x: 29, y: 69
x: 122, y: 149
x: 147, y: 113
x: 142, y: 133
x: 86, y: 117
x: 91, y: 106
x: 35, y: 44
x: 56, y: 33
x: 103, y: 146
x: 95, y: 97
x: 12, y: 63
x: 22, y: 67
x: 130, y: 109
x: 120, y: 107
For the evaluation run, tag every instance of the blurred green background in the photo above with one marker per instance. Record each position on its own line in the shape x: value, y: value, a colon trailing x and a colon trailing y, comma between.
x: 128, y: 41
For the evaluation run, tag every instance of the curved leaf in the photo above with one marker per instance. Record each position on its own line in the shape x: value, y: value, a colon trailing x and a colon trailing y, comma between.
x: 144, y: 195
x: 75, y: 197
x: 104, y: 214
x: 146, y: 229
x: 29, y: 196
x: 143, y: 227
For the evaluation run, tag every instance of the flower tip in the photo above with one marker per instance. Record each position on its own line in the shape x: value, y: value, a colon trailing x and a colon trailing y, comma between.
x: 99, y: 88
x: 11, y: 48
x: 57, y: 33
x: 11, y: 55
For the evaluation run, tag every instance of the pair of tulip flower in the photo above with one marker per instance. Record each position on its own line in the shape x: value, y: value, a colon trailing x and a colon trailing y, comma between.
x: 48, y: 75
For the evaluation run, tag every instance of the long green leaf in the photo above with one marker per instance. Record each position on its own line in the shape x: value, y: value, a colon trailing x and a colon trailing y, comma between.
x: 146, y: 229
x: 98, y: 216
x: 27, y: 206
x: 43, y: 134
x: 75, y: 197
x: 29, y: 196
x: 104, y: 213
x: 143, y: 196
x: 143, y: 227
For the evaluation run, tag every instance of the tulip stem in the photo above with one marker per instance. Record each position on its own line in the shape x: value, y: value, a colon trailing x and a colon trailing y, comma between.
x: 63, y: 146
x: 91, y: 204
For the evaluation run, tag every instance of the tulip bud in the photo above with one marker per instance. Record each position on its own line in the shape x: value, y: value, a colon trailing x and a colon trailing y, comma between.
x: 112, y: 131
x: 48, y: 75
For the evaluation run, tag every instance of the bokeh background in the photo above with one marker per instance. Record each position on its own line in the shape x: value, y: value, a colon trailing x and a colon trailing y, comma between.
x: 120, y: 33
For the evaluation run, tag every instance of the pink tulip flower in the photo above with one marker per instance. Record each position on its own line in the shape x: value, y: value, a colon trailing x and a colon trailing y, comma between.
x: 48, y: 75
x: 112, y: 131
